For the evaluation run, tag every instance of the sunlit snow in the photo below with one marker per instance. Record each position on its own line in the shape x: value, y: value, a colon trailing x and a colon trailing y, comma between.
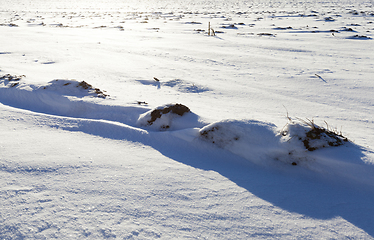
x: 135, y: 120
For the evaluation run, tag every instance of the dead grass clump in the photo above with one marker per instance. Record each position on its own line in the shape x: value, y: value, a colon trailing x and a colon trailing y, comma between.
x: 332, y: 137
x: 9, y: 24
x: 87, y: 86
x: 206, y: 134
x: 360, y: 37
x: 199, y: 30
x: 178, y: 109
x: 12, y: 78
x: 314, y: 136
x: 265, y: 34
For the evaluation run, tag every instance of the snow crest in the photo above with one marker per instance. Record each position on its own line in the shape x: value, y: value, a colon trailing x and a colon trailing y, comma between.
x: 259, y: 142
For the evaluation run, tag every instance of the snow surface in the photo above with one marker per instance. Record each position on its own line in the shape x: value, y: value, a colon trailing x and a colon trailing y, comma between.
x: 79, y: 161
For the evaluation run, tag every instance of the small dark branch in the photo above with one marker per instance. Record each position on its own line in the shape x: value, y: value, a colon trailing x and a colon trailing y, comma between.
x: 320, y: 78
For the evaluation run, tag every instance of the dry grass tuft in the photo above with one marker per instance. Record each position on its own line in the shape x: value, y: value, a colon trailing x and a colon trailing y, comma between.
x: 312, y: 135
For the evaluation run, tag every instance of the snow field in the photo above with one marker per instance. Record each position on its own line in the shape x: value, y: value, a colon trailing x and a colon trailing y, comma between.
x: 75, y: 165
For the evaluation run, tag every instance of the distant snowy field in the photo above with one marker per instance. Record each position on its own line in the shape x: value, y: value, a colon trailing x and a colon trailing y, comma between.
x: 92, y: 145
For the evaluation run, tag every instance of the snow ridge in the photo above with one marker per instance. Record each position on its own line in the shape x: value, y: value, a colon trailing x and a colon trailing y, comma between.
x: 71, y: 108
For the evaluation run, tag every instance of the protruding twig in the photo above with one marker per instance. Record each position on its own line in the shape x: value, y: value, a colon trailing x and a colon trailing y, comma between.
x: 320, y: 77
x: 211, y: 32
x: 287, y: 114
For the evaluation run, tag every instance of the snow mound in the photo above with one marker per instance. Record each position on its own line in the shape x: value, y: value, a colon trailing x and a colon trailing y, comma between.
x: 312, y: 136
x: 225, y: 133
x: 69, y: 98
x: 59, y: 86
x: 168, y: 117
x: 74, y: 88
x: 259, y: 142
x: 262, y: 142
x: 254, y: 140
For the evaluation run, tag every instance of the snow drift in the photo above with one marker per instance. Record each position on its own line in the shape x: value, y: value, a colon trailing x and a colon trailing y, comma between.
x: 260, y: 142
x: 76, y: 165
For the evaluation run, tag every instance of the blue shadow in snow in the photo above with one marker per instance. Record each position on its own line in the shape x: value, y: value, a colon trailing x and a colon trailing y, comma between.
x: 292, y: 188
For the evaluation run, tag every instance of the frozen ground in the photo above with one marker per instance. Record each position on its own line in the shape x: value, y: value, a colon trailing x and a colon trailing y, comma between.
x: 80, y: 154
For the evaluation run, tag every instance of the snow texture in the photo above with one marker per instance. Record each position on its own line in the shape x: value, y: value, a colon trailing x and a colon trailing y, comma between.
x: 126, y: 119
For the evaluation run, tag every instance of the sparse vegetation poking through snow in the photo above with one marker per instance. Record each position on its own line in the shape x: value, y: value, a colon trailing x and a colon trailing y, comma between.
x: 313, y: 136
x: 329, y: 19
x: 360, y: 37
x: 216, y: 134
x: 10, y: 78
x: 265, y: 34
x: 162, y: 117
x: 89, y: 87
x: 75, y: 165
x: 9, y: 24
x: 231, y: 26
x: 211, y: 31
x: 193, y: 22
x: 61, y: 86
